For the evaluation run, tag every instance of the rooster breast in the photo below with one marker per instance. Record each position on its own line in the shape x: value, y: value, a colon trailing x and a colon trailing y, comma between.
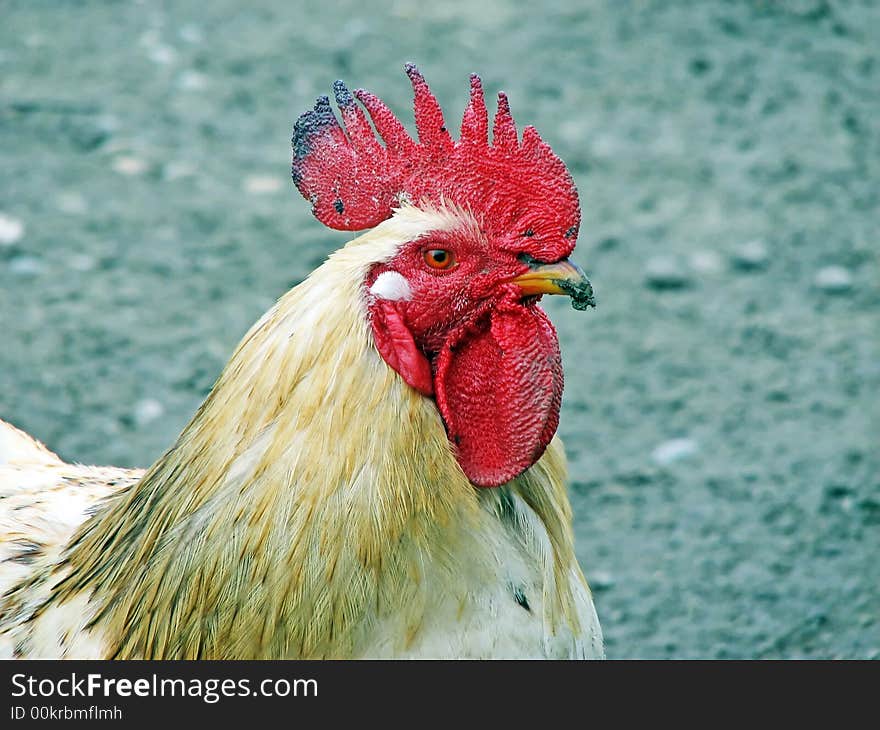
x: 507, y: 587
x: 502, y: 603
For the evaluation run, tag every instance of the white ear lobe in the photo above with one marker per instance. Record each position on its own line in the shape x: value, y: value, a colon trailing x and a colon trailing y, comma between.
x: 391, y: 285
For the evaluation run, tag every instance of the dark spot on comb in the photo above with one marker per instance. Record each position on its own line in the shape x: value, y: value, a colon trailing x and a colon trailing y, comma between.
x: 308, y: 126
x: 342, y: 94
x: 571, y: 232
x: 339, y: 205
x: 442, y: 129
x: 529, y: 232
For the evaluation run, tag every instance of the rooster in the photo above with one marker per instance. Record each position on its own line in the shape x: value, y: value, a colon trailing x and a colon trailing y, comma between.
x: 375, y: 472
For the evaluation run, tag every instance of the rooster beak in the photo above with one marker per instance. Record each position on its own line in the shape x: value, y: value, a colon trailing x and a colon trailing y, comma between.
x: 563, y: 277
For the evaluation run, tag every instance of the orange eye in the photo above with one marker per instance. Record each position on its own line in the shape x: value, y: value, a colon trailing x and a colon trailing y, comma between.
x: 439, y: 258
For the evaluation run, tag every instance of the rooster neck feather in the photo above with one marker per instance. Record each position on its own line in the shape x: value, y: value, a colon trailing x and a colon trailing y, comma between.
x: 277, y: 526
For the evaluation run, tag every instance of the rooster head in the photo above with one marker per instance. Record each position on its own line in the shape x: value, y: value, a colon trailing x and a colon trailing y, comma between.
x: 455, y: 311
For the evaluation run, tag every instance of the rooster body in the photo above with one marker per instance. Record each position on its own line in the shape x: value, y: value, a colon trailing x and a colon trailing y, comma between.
x: 316, y: 506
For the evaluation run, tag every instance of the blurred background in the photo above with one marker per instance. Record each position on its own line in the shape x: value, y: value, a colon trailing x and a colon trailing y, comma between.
x: 721, y: 404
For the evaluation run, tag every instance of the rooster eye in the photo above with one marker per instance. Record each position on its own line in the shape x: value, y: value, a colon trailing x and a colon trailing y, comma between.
x: 439, y: 258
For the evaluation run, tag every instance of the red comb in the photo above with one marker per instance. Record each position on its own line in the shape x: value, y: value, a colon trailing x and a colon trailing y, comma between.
x: 517, y: 189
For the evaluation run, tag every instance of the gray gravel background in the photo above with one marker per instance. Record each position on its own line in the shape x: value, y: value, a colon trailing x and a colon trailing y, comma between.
x: 721, y: 405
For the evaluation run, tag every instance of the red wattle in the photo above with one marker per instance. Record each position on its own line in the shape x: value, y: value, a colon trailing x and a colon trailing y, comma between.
x: 395, y: 344
x: 499, y: 392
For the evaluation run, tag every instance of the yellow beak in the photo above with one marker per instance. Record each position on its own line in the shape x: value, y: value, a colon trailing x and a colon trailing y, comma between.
x: 563, y: 277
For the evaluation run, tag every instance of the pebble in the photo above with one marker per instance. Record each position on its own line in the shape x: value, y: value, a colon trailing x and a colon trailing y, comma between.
x: 191, y: 33
x: 108, y: 123
x: 706, y: 262
x: 129, y: 165
x: 674, y: 450
x: 601, y: 580
x: 262, y: 184
x: 25, y: 266
x: 35, y: 40
x: 751, y: 256
x: 833, y: 279
x: 177, y: 169
x: 147, y: 410
x: 162, y: 55
x: 665, y: 272
x: 82, y: 262
x: 192, y: 80
x: 11, y: 230
x: 150, y: 37
x: 72, y: 203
